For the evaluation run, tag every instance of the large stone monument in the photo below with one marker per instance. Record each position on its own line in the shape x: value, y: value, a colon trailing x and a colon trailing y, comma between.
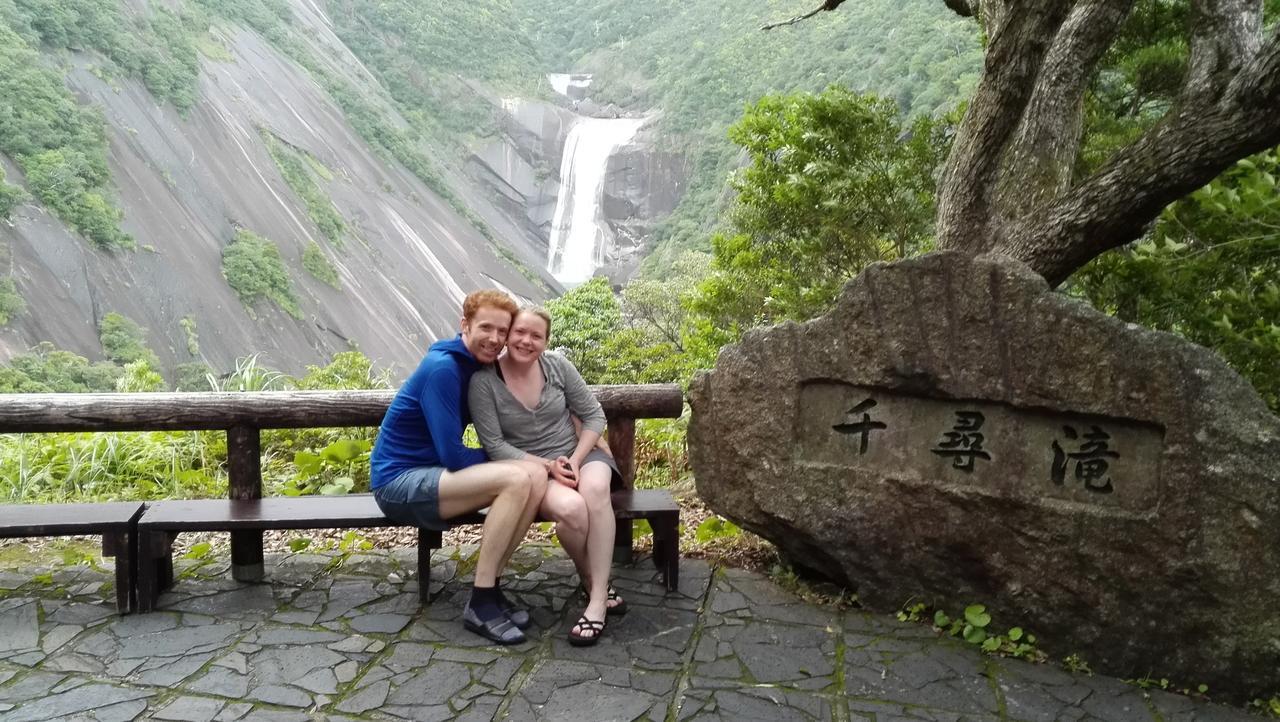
x: 954, y: 432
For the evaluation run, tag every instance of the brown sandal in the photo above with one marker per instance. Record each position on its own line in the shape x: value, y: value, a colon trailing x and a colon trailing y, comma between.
x: 578, y: 639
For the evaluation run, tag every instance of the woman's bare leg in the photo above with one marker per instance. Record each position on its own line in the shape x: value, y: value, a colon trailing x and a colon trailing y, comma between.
x: 594, y: 489
x: 568, y: 510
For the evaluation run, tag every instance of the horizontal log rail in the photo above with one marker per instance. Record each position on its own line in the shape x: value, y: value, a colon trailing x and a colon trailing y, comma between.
x: 243, y: 414
x: 43, y: 413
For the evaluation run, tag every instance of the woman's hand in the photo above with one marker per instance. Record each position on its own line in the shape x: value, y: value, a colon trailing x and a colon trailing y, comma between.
x: 565, y: 471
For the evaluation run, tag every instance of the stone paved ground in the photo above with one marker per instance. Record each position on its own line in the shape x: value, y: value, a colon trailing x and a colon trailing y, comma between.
x: 342, y: 637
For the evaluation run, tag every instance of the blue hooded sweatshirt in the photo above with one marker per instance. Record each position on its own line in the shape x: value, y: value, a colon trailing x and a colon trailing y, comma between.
x: 423, y: 425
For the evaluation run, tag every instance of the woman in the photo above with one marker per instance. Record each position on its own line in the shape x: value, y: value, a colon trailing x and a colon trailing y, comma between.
x: 521, y: 408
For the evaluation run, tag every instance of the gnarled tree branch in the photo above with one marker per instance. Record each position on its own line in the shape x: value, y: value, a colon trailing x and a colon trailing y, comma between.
x: 964, y: 8
x: 1191, y: 146
x: 826, y: 6
x: 1038, y: 163
x: 1017, y: 49
x: 1224, y: 35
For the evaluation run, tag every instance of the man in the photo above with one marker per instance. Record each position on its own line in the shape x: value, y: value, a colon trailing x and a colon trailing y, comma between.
x: 422, y: 474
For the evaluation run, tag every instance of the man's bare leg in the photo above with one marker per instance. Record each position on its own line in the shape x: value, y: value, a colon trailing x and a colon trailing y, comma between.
x: 538, y: 487
x: 505, y: 489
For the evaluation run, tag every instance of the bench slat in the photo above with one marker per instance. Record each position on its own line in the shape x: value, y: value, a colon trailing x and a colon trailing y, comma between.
x: 320, y: 512
x: 309, y: 512
x: 643, y: 503
x: 67, y: 519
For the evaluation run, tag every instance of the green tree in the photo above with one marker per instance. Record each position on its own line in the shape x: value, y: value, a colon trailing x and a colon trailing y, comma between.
x: 582, y: 320
x: 835, y: 182
x: 1209, y: 270
x: 63, y: 371
x: 192, y: 376
x: 347, y: 370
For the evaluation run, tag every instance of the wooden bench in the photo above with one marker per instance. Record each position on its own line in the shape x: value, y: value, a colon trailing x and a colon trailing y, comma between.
x: 164, y: 520
x: 244, y: 415
x: 115, y: 522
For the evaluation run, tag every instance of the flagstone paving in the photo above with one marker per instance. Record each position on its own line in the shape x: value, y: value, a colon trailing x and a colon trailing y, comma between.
x: 336, y: 636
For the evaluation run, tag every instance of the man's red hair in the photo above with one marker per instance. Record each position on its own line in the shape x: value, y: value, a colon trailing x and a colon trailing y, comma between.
x: 490, y: 297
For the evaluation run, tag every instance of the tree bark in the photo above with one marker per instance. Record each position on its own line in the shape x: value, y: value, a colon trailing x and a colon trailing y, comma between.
x: 1039, y: 162
x: 1007, y: 185
x: 1189, y: 148
x: 1019, y: 44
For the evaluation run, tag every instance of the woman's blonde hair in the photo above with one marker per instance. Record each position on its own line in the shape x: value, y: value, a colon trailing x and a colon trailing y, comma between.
x: 540, y: 312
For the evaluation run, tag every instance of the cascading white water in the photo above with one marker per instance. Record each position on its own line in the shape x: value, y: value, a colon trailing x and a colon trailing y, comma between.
x: 579, y: 237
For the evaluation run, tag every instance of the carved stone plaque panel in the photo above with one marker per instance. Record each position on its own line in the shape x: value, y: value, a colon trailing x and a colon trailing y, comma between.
x: 1003, y: 450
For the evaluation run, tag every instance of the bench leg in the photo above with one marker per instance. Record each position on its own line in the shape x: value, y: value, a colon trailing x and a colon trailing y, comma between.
x: 151, y: 545
x: 246, y: 556
x: 428, y: 541
x: 622, y: 542
x: 121, y: 545
x: 666, y: 549
x: 164, y: 563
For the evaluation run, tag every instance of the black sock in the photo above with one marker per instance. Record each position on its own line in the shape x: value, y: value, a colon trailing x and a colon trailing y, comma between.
x: 484, y: 602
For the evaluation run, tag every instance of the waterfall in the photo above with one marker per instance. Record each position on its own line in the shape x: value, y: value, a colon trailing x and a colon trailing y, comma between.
x: 579, y: 237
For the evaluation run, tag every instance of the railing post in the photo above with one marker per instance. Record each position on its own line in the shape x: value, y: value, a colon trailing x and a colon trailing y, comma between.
x: 244, y: 467
x: 622, y: 442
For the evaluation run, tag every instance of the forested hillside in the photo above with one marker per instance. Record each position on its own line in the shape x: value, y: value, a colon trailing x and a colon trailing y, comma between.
x: 703, y: 62
x: 698, y: 63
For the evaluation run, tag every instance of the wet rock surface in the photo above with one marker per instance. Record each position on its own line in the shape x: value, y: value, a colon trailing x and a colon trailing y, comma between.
x: 354, y: 643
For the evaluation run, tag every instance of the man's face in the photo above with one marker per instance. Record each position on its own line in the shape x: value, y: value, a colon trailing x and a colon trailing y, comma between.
x: 486, y: 333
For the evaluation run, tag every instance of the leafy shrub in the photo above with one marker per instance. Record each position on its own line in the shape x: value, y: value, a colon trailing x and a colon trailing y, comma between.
x: 188, y: 324
x: 193, y: 376
x: 63, y: 371
x: 60, y: 145
x: 138, y: 376
x: 11, y: 303
x: 293, y: 166
x: 314, y: 260
x: 63, y: 180
x: 254, y: 269
x: 124, y: 341
x: 10, y: 196
x: 350, y: 370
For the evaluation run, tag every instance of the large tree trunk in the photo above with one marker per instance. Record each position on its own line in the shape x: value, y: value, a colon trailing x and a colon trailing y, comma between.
x: 1007, y: 187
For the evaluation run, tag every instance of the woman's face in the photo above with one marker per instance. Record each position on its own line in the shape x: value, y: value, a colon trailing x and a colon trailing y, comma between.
x: 528, y: 338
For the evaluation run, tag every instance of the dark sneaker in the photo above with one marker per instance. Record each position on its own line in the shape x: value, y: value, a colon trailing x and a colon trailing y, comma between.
x: 519, y: 617
x: 499, y: 629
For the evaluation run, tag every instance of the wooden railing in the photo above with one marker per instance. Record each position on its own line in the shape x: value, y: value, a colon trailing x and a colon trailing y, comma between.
x: 243, y: 415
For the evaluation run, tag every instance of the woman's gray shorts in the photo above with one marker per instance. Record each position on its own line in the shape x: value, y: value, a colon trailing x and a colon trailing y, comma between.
x: 413, y: 498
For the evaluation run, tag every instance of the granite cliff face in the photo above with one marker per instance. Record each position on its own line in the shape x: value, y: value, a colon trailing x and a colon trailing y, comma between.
x: 188, y: 184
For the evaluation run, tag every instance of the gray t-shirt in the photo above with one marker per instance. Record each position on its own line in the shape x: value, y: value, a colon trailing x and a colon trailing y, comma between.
x: 508, y: 429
